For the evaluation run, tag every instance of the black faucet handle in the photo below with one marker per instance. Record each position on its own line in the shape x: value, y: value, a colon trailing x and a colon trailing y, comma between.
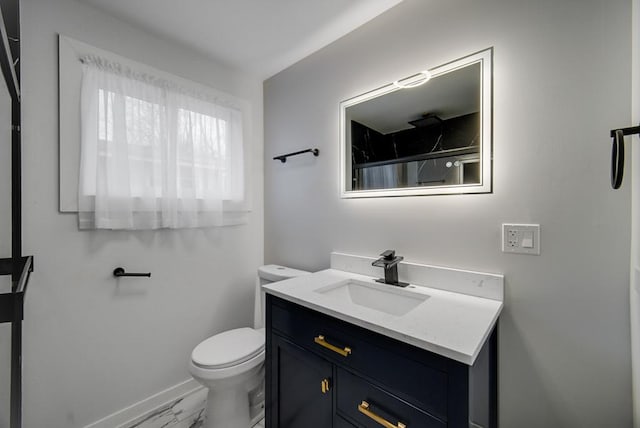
x: 389, y: 254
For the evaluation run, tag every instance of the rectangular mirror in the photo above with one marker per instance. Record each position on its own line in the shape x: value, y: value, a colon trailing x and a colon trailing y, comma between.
x: 426, y: 134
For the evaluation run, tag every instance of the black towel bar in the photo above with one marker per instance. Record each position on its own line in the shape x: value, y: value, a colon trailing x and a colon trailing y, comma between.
x: 283, y: 158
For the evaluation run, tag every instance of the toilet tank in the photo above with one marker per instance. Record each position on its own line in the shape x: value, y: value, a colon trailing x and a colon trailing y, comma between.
x: 268, y: 274
x: 273, y: 273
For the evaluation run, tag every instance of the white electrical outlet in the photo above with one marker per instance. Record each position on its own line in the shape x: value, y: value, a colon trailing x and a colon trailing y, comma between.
x: 521, y: 238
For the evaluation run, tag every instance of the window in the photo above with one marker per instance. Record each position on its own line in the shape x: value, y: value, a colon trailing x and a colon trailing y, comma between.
x: 155, y: 155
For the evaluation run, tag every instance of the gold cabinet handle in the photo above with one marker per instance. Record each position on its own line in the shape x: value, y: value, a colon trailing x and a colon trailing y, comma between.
x: 320, y: 340
x: 324, y: 386
x: 364, y: 409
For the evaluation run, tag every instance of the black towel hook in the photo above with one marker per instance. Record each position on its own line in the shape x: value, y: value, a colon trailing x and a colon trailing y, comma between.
x: 617, y: 153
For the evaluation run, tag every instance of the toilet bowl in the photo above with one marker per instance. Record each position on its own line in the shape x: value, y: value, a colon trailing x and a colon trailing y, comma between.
x: 231, y: 364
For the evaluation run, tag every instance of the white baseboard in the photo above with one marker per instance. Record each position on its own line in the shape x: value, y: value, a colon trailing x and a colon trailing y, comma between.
x: 129, y: 414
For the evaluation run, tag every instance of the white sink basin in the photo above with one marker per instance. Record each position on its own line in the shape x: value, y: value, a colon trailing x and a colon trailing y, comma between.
x: 385, y: 298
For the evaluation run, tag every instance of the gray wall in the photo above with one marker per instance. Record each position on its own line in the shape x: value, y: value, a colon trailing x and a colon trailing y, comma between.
x: 93, y: 346
x: 562, y: 80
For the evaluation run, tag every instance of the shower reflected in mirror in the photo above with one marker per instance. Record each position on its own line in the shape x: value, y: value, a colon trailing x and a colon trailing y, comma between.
x: 429, y: 133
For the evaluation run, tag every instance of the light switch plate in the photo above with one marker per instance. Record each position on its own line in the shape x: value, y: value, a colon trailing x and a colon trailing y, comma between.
x: 521, y: 238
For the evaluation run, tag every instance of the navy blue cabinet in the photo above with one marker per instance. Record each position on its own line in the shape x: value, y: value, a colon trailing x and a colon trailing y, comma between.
x: 323, y: 372
x: 303, y: 387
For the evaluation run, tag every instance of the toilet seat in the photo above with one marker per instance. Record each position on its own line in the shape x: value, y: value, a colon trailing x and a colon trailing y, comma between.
x: 228, y: 349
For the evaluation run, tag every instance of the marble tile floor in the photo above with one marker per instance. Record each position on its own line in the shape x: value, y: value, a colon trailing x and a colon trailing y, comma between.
x: 186, y: 412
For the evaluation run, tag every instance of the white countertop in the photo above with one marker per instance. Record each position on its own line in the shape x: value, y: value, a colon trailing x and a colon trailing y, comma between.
x: 451, y: 324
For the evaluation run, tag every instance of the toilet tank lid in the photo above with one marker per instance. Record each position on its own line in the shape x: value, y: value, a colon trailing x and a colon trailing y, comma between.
x: 279, y: 273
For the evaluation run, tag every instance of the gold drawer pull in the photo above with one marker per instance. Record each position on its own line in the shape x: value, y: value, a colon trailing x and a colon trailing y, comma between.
x: 364, y: 409
x: 324, y: 386
x: 322, y: 342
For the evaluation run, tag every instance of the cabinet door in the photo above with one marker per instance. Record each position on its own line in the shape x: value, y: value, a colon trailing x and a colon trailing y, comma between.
x: 303, y: 387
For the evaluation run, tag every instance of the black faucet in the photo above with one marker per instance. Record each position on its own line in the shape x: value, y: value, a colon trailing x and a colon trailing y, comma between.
x: 389, y: 261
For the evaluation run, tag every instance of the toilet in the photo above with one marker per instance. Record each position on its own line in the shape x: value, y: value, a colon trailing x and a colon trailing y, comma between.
x: 231, y: 364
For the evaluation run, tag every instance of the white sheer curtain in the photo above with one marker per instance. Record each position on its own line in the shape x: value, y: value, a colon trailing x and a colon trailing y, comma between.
x: 154, y: 154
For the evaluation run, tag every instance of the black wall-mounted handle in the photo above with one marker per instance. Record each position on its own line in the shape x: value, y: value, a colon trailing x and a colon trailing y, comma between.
x: 617, y: 153
x: 118, y: 272
x: 617, y: 159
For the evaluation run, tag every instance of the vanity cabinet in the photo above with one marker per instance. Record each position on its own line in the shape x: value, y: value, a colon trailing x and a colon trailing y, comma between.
x: 323, y: 372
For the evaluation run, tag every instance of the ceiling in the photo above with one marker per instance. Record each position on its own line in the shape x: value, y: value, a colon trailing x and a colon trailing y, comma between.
x: 259, y: 37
